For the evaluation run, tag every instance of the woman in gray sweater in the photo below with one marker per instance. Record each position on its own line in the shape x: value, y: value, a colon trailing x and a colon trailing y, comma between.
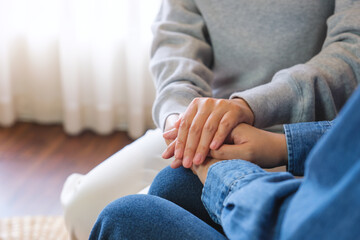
x: 289, y: 61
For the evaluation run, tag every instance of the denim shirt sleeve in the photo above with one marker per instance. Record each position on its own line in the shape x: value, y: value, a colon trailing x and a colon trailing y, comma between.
x: 245, y: 199
x: 224, y: 177
x: 300, y: 139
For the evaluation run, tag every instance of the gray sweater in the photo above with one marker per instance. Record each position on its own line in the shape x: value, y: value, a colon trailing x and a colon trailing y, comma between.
x: 291, y: 60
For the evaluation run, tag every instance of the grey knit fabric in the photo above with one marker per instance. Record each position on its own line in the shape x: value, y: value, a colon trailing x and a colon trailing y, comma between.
x: 291, y: 60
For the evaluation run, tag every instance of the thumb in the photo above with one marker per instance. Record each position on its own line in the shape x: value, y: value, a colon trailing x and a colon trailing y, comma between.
x: 227, y: 152
x: 171, y: 134
x: 177, y: 123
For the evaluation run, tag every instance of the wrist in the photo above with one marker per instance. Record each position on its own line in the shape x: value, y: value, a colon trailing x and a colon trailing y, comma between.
x: 282, y: 148
x: 250, y: 117
x: 170, y: 121
x: 200, y: 172
x: 202, y: 169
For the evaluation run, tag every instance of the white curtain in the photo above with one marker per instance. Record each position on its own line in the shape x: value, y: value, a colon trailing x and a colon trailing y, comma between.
x: 83, y: 63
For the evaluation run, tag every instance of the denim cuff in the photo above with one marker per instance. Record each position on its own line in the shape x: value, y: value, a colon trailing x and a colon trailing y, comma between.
x: 300, y: 139
x: 223, y: 178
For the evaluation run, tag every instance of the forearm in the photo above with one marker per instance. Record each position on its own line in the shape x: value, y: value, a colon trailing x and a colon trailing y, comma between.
x: 246, y: 200
x: 180, y: 59
x: 300, y: 139
x: 317, y: 89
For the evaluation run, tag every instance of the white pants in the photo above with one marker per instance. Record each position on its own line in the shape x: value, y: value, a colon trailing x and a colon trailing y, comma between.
x: 126, y: 172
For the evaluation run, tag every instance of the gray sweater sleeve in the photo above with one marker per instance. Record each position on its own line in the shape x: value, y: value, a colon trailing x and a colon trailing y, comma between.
x: 181, y: 58
x: 317, y: 89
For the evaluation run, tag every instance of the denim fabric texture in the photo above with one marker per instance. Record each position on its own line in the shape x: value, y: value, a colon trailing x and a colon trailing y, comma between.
x: 223, y: 178
x: 142, y: 217
x: 300, y: 139
x: 327, y: 204
x: 246, y: 199
x: 183, y: 188
x: 251, y: 203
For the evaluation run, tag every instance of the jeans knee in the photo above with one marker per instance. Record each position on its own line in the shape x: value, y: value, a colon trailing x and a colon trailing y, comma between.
x: 161, y: 181
x: 129, y: 217
x: 170, y: 182
x: 119, y: 218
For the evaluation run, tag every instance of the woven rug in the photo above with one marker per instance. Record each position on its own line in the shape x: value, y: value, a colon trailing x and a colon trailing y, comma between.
x: 33, y: 228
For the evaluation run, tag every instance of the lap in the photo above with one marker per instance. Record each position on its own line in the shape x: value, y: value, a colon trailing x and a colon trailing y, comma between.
x: 150, y: 217
x: 183, y: 188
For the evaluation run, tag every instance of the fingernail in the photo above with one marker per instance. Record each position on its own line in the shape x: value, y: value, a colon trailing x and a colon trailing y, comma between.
x: 164, y: 154
x: 174, y: 163
x: 187, y: 162
x: 213, y: 145
x: 197, y: 158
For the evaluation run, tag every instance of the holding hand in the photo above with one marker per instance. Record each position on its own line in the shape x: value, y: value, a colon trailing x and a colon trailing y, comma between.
x: 263, y: 148
x: 170, y: 126
x: 170, y: 134
x: 202, y: 170
x: 205, y: 125
x: 260, y: 147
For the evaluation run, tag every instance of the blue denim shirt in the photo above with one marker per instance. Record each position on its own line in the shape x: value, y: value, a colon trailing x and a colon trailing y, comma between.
x: 249, y: 201
x: 243, y: 198
x: 300, y: 139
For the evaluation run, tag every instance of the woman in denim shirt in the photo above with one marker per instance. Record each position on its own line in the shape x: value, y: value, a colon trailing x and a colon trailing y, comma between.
x: 246, y: 202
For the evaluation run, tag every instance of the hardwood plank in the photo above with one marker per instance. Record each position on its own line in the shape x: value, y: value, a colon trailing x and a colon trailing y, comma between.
x: 36, y: 159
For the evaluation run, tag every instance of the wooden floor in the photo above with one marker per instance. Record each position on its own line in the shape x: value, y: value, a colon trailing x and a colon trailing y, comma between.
x: 36, y: 159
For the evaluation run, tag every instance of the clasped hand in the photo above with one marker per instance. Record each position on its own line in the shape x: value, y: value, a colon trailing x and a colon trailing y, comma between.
x: 204, y: 126
x: 241, y: 141
x: 246, y: 142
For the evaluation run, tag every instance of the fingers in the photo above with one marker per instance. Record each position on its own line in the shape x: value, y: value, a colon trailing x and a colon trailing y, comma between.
x: 171, y: 134
x: 177, y: 123
x: 226, y: 125
x: 176, y: 163
x: 193, y: 138
x: 184, y: 126
x: 207, y: 135
x: 169, y: 151
x: 205, y: 125
x: 170, y: 129
x: 227, y: 152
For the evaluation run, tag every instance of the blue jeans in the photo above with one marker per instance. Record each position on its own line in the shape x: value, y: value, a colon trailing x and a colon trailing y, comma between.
x: 173, y: 203
x: 150, y: 217
x: 261, y: 205
x: 183, y: 188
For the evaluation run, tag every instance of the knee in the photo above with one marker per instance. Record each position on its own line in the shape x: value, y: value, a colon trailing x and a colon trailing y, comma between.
x: 125, y: 218
x: 169, y: 183
x: 163, y: 184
